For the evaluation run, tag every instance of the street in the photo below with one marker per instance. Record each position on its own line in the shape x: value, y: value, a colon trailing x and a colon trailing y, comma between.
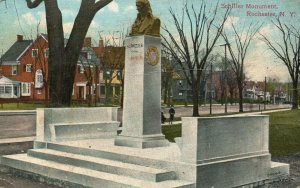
x: 17, y: 124
x: 22, y: 123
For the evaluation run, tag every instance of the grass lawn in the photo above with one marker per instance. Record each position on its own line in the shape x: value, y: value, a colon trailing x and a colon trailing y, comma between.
x: 284, y: 132
x: 20, y: 106
x: 172, y: 131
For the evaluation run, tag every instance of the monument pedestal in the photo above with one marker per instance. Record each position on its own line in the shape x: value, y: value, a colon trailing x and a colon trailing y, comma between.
x: 141, y: 125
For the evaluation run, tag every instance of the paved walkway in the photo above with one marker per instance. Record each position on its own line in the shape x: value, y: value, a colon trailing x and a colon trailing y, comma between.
x: 239, y: 114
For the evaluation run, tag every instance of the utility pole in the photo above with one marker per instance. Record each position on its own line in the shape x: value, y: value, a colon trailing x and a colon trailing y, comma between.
x: 1, y: 63
x: 225, y: 77
x: 265, y: 93
x: 288, y: 92
x: 210, y: 88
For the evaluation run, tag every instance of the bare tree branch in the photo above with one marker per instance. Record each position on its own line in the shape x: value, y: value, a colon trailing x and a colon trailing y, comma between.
x: 33, y: 4
x: 197, y: 32
x: 100, y: 4
x: 242, y: 40
x: 288, y: 51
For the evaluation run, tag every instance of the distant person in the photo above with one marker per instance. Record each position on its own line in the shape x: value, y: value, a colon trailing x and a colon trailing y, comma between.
x: 172, y: 113
x: 163, y: 118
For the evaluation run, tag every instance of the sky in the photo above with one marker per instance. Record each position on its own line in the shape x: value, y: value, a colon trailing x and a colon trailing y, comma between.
x: 16, y: 18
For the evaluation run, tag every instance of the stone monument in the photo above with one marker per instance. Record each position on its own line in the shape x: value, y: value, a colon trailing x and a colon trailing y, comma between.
x: 141, y: 111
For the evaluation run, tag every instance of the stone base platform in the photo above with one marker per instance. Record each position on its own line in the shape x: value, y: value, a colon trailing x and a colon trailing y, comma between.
x: 150, y: 141
x: 98, y: 163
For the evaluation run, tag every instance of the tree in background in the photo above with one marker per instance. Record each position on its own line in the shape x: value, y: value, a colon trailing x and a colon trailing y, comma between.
x: 196, y: 30
x: 90, y: 66
x: 170, y: 72
x: 113, y: 64
x: 232, y: 85
x: 63, y: 58
x: 287, y: 49
x: 166, y: 79
x: 238, y: 50
x: 227, y: 73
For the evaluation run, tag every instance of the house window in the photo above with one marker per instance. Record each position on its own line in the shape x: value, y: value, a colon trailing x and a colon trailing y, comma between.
x: 89, y: 56
x: 5, y: 89
x: 28, y: 68
x: 39, y: 91
x: 26, y: 89
x: 1, y: 89
x: 8, y: 90
x: 81, y: 69
x: 14, y: 69
x: 46, y: 51
x: 39, y: 81
x: 40, y: 78
x: 35, y: 52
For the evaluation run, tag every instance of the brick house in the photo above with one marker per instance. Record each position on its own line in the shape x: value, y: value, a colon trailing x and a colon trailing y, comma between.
x: 26, y: 65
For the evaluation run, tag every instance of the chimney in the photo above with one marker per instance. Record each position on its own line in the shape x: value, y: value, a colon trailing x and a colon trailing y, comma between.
x: 101, y: 48
x: 19, y: 38
x: 101, y: 43
x: 87, y: 42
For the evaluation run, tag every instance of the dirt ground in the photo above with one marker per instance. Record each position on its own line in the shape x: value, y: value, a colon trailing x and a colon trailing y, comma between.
x: 9, y: 181
x: 294, y: 180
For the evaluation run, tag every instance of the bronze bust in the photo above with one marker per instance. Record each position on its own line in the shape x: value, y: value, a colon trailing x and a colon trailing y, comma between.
x: 145, y: 23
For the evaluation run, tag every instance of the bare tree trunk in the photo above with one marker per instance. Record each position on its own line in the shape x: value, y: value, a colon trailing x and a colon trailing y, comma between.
x: 195, y: 90
x: 231, y: 91
x: 169, y: 98
x: 56, y: 51
x: 241, y: 98
x: 106, y: 91
x: 97, y: 82
x: 295, y: 95
x: 72, y: 51
x: 166, y: 88
x: 122, y: 93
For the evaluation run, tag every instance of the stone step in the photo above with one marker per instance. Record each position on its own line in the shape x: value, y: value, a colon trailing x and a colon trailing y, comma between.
x: 104, y: 165
x: 108, y: 154
x: 83, y: 176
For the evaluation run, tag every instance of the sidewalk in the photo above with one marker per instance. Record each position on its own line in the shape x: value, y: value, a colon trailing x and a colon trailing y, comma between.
x: 238, y: 114
x: 174, y: 123
x: 260, y: 112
